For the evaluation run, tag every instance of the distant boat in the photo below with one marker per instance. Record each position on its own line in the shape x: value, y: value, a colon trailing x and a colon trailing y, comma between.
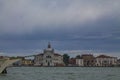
x: 5, y: 63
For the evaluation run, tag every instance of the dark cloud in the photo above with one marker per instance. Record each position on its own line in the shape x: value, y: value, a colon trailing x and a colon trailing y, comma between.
x: 27, y: 25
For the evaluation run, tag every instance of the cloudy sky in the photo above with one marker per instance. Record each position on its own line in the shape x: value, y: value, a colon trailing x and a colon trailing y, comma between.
x: 72, y: 26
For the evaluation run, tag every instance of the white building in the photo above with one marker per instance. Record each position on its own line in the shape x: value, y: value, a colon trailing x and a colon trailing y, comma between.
x: 79, y: 62
x: 49, y: 58
x: 104, y: 60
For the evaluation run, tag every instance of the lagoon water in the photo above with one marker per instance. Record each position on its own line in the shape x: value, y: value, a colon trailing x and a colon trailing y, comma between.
x: 62, y: 73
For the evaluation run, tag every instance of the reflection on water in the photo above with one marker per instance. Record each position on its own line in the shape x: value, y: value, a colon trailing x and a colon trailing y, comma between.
x: 62, y: 73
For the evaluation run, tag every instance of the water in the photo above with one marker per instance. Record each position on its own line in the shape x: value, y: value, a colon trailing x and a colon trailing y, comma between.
x: 62, y: 73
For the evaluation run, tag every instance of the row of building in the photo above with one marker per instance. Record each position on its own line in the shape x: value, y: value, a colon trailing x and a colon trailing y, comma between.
x: 101, y: 60
x: 49, y: 58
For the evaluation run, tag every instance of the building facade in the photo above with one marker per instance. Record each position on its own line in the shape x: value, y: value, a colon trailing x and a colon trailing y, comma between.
x: 27, y: 62
x: 48, y: 58
x: 72, y: 62
x: 88, y: 60
x: 104, y: 61
x: 118, y: 62
x: 79, y: 62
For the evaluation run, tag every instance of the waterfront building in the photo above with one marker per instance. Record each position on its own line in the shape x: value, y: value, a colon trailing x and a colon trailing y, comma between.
x: 104, y: 61
x: 72, y: 62
x: 79, y: 61
x: 118, y: 62
x: 48, y: 58
x: 18, y: 63
x: 23, y: 61
x: 88, y: 60
x: 27, y: 62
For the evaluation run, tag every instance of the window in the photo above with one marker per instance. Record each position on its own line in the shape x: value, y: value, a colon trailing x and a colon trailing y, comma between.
x: 48, y: 56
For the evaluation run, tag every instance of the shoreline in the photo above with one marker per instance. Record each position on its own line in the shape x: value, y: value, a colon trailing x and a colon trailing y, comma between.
x: 68, y: 66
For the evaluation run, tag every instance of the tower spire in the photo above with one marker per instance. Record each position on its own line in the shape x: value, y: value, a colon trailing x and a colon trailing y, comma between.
x: 49, y: 45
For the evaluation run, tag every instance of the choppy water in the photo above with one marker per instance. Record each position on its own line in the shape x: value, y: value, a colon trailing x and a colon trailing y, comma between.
x: 62, y: 73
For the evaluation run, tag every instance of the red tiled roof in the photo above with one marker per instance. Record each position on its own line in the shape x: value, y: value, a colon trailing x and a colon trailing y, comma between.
x: 41, y: 54
x: 56, y: 54
x: 103, y: 56
x: 87, y: 54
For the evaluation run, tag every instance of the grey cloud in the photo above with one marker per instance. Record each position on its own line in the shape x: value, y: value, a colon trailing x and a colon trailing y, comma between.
x: 27, y: 15
x: 27, y: 25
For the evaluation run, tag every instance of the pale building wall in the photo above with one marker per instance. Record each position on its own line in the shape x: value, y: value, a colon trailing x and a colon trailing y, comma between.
x: 79, y: 62
x: 106, y: 61
x: 38, y: 60
x: 48, y: 58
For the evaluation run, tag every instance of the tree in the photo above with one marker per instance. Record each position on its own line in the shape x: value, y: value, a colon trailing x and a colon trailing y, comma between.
x: 78, y: 56
x: 66, y: 59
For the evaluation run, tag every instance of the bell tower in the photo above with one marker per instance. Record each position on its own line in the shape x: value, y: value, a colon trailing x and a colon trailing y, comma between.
x: 49, y: 45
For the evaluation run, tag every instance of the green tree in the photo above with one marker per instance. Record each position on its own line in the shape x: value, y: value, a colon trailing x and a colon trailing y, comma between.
x: 78, y: 56
x: 66, y: 59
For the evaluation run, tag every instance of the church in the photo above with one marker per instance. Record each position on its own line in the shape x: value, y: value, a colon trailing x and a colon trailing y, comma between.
x: 48, y: 58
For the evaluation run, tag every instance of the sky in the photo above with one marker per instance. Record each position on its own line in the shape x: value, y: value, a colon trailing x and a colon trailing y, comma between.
x: 72, y: 26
